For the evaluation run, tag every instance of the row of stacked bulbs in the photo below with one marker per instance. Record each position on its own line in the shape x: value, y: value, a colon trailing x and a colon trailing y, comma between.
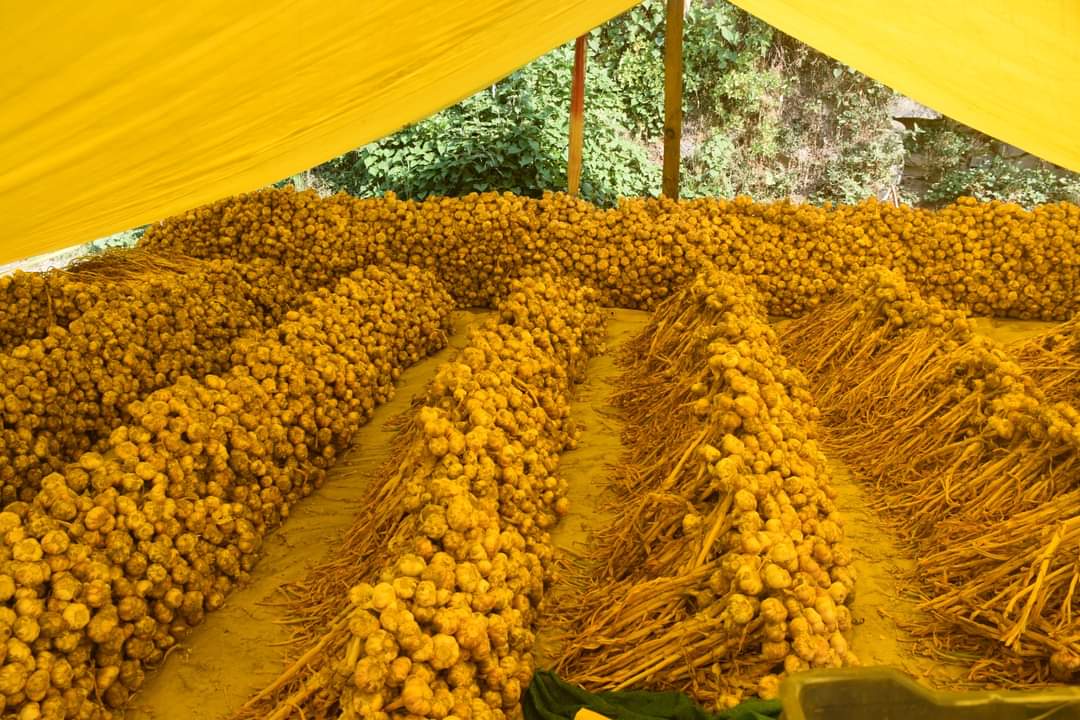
x: 120, y: 553
x: 63, y: 393
x: 993, y: 258
x: 442, y: 623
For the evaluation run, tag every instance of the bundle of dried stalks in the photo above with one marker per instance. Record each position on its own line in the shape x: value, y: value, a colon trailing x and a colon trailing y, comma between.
x: 972, y: 462
x: 726, y: 566
x: 1052, y: 359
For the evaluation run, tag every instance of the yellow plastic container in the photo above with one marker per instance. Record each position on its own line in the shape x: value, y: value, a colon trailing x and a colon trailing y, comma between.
x: 887, y: 694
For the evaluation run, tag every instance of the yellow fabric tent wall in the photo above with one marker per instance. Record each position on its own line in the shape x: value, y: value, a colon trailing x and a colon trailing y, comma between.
x: 1010, y: 68
x: 118, y: 113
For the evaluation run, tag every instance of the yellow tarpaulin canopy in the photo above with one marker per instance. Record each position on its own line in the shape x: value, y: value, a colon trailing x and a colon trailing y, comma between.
x: 1010, y: 68
x: 122, y: 112
x: 119, y: 113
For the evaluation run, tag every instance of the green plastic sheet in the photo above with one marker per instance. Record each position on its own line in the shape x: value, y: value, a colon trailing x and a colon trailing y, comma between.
x: 551, y: 698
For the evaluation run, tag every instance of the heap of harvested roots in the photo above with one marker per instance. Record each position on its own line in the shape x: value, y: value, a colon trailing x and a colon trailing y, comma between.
x: 725, y: 567
x: 993, y: 257
x: 120, y: 553
x: 429, y: 607
x: 161, y: 408
x: 31, y: 303
x: 155, y: 320
x: 974, y: 464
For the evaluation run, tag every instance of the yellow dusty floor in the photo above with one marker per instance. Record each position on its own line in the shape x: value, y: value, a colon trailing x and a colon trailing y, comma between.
x: 880, y: 564
x: 233, y: 654
x: 1007, y: 332
x: 586, y: 466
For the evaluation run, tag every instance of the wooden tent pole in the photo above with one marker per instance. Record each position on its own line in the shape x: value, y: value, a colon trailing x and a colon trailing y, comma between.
x: 577, y: 118
x: 673, y: 86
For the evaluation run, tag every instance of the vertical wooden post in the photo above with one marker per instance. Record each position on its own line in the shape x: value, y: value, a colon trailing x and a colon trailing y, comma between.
x: 673, y: 86
x: 577, y: 118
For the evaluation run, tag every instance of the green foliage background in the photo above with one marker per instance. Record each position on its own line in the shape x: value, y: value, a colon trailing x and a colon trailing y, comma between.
x: 765, y: 116
x: 511, y: 136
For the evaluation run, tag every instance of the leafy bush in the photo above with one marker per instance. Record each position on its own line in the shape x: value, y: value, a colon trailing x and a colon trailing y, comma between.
x: 511, y: 136
x: 710, y: 171
x: 123, y: 239
x: 765, y: 115
x: 941, y: 147
x: 851, y: 149
x: 724, y: 54
x: 998, y: 179
x: 956, y: 160
x: 718, y: 38
x: 630, y: 48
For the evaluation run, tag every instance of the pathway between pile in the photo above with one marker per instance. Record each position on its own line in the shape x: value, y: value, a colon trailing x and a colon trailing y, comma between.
x: 238, y: 650
x: 881, y: 567
x: 587, y: 467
